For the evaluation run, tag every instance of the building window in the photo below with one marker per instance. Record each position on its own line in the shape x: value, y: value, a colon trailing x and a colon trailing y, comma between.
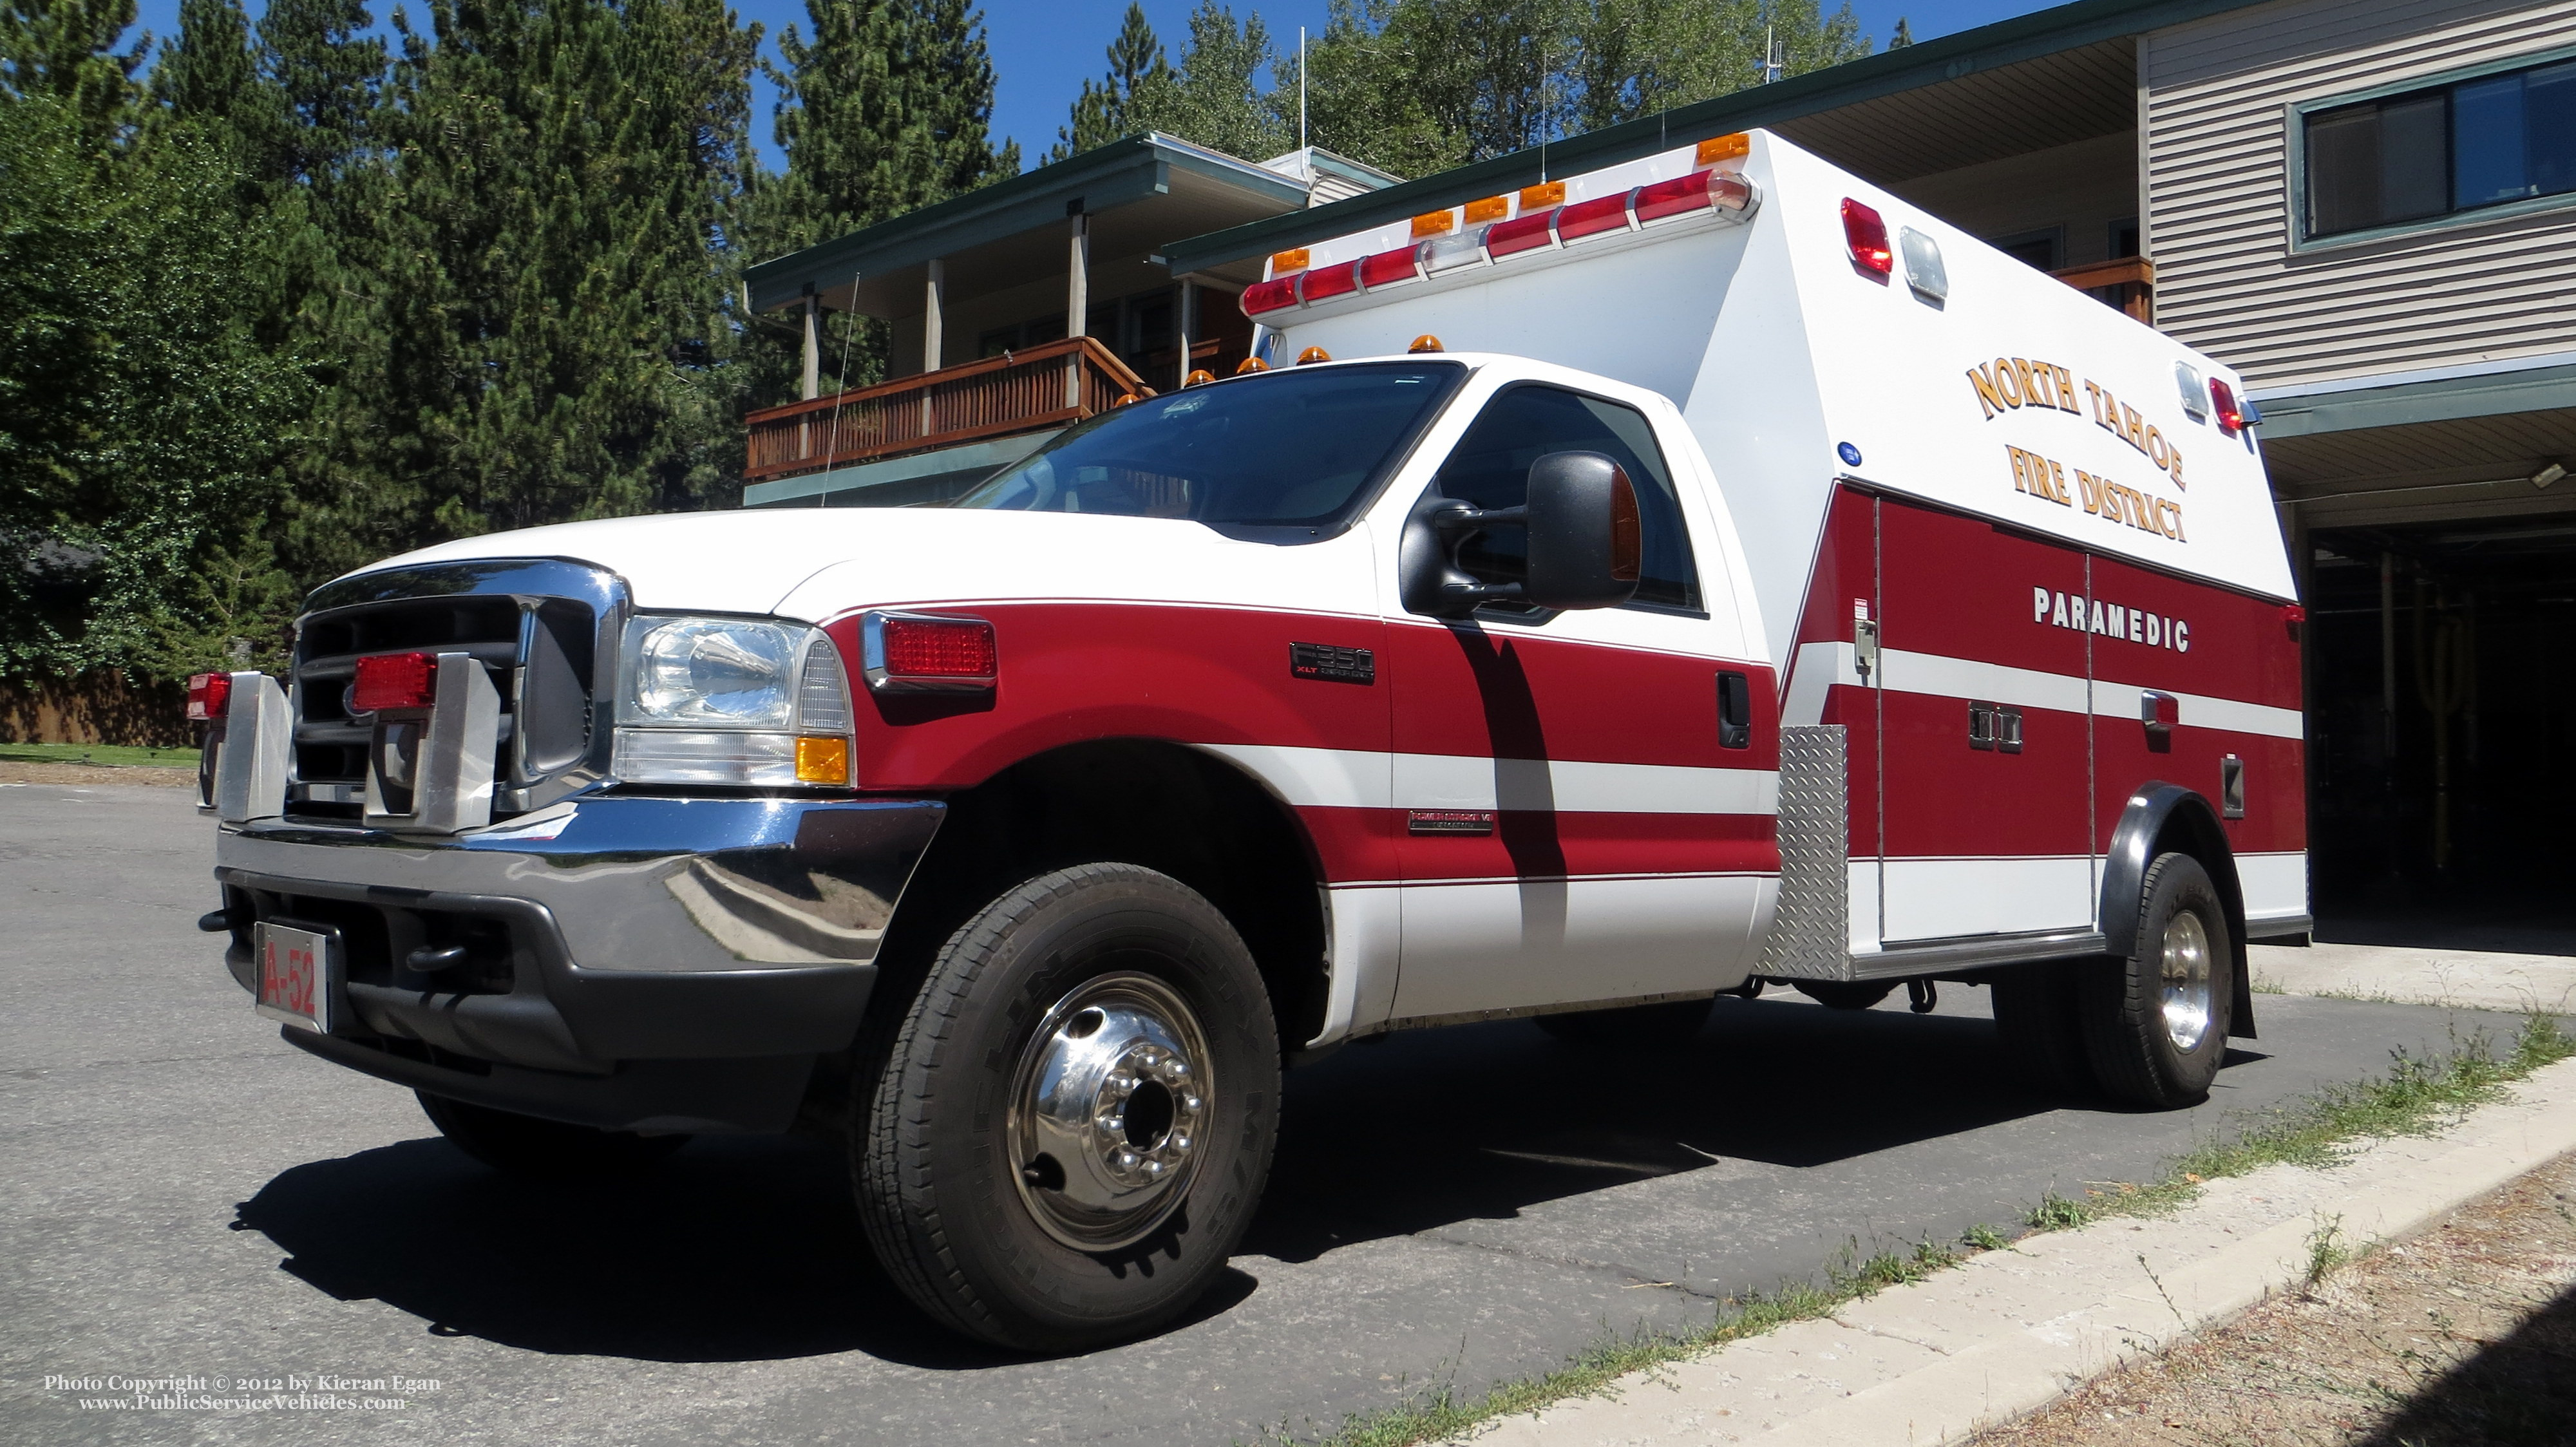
x: 2031, y: 248
x: 2442, y: 150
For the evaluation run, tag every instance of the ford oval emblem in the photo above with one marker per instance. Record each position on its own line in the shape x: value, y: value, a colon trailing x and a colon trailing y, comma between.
x: 1849, y: 454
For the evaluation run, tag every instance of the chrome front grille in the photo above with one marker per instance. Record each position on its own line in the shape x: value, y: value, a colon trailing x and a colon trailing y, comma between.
x: 541, y: 650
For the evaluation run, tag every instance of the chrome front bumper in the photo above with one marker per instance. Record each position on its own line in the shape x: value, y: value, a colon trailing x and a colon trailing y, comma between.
x: 627, y: 961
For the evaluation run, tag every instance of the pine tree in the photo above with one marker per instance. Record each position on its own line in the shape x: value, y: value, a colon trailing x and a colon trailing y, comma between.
x: 1904, y: 35
x: 1102, y: 113
x: 1212, y: 98
x: 65, y: 49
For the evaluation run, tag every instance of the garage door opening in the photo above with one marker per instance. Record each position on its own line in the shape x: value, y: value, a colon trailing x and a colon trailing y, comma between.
x: 2442, y: 702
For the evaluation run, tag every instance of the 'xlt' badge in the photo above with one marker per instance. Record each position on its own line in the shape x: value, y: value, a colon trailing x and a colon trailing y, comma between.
x: 1332, y: 664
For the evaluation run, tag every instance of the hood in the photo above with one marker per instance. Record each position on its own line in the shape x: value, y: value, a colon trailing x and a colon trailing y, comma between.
x: 815, y: 563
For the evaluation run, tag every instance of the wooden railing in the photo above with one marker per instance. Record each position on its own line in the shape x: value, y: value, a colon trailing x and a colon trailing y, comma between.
x: 2128, y: 284
x: 1042, y: 386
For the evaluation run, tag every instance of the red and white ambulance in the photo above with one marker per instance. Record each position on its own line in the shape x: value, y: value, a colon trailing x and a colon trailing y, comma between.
x: 1704, y: 572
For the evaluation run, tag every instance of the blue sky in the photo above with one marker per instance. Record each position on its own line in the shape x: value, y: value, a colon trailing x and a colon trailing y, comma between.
x: 1042, y: 49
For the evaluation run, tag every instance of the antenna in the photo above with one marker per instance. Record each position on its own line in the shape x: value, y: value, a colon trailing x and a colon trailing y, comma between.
x: 1301, y: 95
x: 1771, y: 66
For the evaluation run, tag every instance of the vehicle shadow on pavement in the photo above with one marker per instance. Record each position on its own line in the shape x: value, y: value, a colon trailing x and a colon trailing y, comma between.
x: 1505, y: 1117
x: 731, y: 1250
x: 2519, y: 1389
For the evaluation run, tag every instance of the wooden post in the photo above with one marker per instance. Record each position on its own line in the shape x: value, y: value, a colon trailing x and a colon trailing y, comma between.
x: 1077, y: 301
x: 934, y: 295
x: 813, y: 346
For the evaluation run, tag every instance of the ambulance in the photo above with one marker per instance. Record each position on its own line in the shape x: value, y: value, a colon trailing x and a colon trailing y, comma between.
x: 1700, y: 575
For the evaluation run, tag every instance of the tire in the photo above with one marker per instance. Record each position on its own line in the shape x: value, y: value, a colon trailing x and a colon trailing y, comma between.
x: 2037, y: 1025
x: 1845, y: 994
x: 524, y: 1145
x: 2155, y: 1024
x: 1670, y: 1026
x: 1095, y: 1211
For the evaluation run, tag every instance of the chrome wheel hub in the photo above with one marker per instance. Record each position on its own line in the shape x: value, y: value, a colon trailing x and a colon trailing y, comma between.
x: 1108, y: 1108
x: 2187, y: 980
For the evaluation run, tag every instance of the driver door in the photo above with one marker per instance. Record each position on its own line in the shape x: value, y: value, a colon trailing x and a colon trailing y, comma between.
x: 1579, y: 822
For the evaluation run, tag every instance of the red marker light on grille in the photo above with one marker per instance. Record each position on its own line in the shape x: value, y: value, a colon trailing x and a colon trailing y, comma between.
x: 1588, y: 218
x: 395, y: 680
x: 1269, y: 296
x: 209, y: 696
x: 2222, y: 399
x: 1387, y: 268
x: 1865, y: 232
x: 945, y: 650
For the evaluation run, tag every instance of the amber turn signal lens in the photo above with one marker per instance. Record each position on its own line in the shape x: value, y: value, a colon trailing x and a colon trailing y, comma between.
x: 1312, y: 355
x: 1284, y: 262
x: 1545, y: 193
x: 1724, y: 148
x: 1433, y: 223
x: 1198, y: 377
x: 1424, y: 343
x: 1488, y: 208
x: 1251, y: 364
x: 822, y: 759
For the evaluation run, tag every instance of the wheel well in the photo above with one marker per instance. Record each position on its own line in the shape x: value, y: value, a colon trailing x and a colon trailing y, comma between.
x: 1134, y: 801
x: 2192, y: 828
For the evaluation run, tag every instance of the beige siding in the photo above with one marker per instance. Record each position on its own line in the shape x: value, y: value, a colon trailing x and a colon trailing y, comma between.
x: 2218, y: 94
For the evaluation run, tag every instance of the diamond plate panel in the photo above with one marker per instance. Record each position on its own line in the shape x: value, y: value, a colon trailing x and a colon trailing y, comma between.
x: 1811, y: 929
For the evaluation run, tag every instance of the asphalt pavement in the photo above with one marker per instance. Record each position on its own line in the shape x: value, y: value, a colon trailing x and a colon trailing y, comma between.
x: 186, y: 1197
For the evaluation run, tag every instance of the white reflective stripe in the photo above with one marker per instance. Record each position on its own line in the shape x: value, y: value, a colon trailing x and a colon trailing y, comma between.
x: 1359, y: 779
x: 1315, y: 778
x: 2199, y: 711
x: 1947, y: 677
x: 1819, y: 667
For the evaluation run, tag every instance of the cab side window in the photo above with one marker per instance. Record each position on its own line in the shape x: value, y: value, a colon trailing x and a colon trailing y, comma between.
x: 1522, y: 424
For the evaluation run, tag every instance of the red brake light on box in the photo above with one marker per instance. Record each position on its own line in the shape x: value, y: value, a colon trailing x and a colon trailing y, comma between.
x: 1865, y: 232
x: 1589, y: 218
x: 1389, y: 267
x: 1269, y: 296
x: 910, y: 652
x: 1521, y: 233
x: 209, y: 696
x: 2222, y: 400
x: 394, y: 680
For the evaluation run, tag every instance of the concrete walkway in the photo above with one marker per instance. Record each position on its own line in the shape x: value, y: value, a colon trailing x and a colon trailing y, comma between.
x: 2457, y: 978
x: 2012, y: 1330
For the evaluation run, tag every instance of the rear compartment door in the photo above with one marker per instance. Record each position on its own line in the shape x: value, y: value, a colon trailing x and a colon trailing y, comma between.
x: 1984, y: 748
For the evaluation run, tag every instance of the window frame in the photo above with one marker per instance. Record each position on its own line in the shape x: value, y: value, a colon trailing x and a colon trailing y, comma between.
x: 1530, y: 615
x: 2294, y: 129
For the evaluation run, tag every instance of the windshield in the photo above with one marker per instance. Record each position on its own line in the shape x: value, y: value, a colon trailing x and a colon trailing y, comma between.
x: 1286, y: 456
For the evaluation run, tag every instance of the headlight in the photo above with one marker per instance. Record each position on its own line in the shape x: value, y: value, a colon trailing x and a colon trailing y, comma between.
x: 732, y: 701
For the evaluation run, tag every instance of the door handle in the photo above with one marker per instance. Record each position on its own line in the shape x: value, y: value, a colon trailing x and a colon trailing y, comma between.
x: 1734, y: 710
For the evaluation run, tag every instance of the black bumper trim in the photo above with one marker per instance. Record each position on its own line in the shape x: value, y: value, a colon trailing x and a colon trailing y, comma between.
x: 756, y: 1095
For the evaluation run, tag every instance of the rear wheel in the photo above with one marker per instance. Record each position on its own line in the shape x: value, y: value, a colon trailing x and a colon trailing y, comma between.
x: 1065, y: 1138
x: 2155, y: 1024
x: 2037, y: 1025
x: 524, y: 1145
x: 1632, y: 1027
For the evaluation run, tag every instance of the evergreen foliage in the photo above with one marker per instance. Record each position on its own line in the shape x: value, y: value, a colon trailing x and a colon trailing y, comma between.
x: 292, y: 300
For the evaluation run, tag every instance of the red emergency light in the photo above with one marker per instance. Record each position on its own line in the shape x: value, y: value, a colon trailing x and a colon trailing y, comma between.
x: 1521, y: 233
x: 395, y: 681
x: 949, y: 650
x: 1586, y: 218
x: 1330, y: 281
x: 1270, y: 296
x: 1865, y: 232
x: 2222, y: 400
x: 209, y: 696
x: 1390, y: 267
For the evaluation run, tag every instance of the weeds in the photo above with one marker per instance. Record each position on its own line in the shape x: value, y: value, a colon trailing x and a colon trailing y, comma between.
x: 2326, y: 1251
x: 2414, y: 1098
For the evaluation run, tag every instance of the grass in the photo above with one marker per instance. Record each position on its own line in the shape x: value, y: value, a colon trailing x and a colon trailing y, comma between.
x: 2415, y: 1097
x: 113, y: 756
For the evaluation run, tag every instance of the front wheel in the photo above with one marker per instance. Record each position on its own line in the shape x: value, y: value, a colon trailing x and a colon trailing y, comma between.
x: 2155, y: 1024
x: 1062, y: 1143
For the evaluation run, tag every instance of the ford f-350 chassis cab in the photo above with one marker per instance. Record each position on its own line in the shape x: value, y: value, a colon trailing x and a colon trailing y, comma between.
x: 1788, y: 589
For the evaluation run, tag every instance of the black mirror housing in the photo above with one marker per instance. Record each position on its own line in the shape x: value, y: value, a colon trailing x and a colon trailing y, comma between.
x: 1585, y: 542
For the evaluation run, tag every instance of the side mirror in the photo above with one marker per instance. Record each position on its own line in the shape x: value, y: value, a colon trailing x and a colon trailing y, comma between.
x: 1585, y: 543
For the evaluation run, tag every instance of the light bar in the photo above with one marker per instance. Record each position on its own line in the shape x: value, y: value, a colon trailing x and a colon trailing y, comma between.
x: 1339, y: 279
x: 1521, y: 233
x: 1389, y: 268
x: 1590, y: 218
